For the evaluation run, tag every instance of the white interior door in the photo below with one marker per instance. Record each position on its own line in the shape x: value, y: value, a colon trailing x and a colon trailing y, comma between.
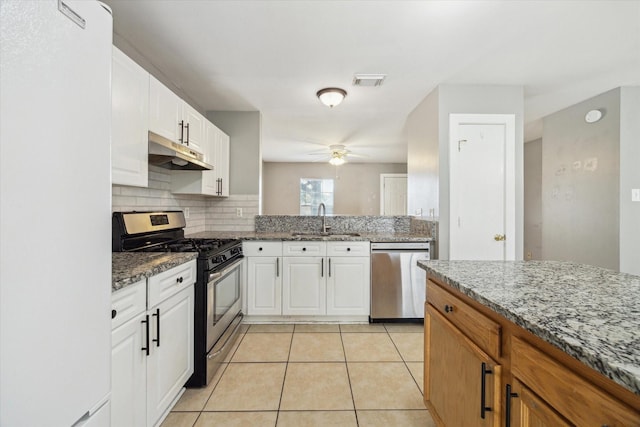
x: 393, y: 194
x: 482, y: 187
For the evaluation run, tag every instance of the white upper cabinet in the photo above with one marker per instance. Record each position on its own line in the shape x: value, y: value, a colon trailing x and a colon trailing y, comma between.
x: 165, y: 112
x: 174, y: 119
x: 222, y: 164
x: 194, y: 128
x: 130, y: 122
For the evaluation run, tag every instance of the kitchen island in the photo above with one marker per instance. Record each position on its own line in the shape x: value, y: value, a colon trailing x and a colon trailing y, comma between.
x: 537, y: 322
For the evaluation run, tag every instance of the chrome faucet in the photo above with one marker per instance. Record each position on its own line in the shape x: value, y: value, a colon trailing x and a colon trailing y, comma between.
x: 325, y: 228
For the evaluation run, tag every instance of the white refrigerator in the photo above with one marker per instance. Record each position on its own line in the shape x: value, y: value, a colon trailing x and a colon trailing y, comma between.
x: 55, y: 206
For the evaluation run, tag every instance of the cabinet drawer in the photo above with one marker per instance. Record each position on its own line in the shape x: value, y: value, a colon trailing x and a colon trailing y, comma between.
x: 304, y: 248
x: 578, y: 400
x: 475, y: 325
x: 262, y: 248
x: 127, y: 302
x: 348, y: 249
x: 170, y: 282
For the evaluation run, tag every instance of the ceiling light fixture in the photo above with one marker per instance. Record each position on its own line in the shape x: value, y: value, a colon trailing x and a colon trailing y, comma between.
x: 337, y: 160
x: 331, y: 96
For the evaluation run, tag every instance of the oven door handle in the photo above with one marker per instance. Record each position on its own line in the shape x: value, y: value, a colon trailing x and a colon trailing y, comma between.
x: 219, y: 274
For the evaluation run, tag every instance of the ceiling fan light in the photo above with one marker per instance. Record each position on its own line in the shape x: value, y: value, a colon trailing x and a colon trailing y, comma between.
x: 337, y: 161
x: 331, y: 96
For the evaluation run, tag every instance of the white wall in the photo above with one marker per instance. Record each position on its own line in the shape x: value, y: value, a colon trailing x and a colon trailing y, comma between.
x: 422, y: 158
x: 356, y: 186
x: 421, y: 129
x: 581, y: 182
x: 629, y: 178
x: 533, y: 199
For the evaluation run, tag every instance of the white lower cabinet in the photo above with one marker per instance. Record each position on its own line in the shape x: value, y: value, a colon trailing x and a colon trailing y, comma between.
x: 152, y: 348
x: 348, y: 285
x: 312, y: 278
x: 304, y: 286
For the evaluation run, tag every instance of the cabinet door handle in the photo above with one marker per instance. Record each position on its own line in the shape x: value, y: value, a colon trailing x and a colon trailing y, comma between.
x: 146, y: 324
x: 181, y: 123
x: 157, y: 338
x: 507, y: 411
x: 114, y: 313
x: 277, y: 267
x: 321, y: 265
x: 187, y: 126
x: 329, y: 267
x: 483, y: 397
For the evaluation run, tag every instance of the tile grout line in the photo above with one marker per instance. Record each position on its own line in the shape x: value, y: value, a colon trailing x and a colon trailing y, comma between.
x: 346, y: 365
x: 405, y: 362
x: 284, y: 378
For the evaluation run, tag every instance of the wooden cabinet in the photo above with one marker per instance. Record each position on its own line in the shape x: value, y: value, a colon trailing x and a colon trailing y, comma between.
x: 129, y: 121
x: 462, y: 382
x: 264, y: 277
x: 152, y: 345
x: 173, y: 118
x: 545, y: 387
x: 300, y: 278
x: 530, y: 382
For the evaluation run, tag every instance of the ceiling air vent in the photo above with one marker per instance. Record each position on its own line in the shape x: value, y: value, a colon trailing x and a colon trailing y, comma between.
x: 368, y: 79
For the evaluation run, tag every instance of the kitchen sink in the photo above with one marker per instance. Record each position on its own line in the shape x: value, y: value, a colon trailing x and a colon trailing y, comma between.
x: 338, y: 235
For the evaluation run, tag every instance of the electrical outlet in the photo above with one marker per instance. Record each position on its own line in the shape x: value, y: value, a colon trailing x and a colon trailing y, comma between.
x: 635, y: 195
x: 419, y: 212
x: 186, y: 212
x: 529, y: 255
x: 239, y: 212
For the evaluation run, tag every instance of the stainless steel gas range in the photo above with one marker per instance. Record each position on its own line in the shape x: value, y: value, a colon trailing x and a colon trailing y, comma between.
x: 217, y: 314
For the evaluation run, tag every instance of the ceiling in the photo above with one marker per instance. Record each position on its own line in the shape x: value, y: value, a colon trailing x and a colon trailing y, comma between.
x: 273, y: 56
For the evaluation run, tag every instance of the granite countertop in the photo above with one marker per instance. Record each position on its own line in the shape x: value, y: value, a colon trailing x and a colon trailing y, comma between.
x: 131, y: 267
x: 591, y: 313
x: 362, y: 237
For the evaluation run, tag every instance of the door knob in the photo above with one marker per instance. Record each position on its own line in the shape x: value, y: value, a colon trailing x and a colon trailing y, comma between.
x: 499, y: 237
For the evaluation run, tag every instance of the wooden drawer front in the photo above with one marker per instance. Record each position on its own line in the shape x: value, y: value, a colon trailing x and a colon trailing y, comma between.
x: 578, y: 400
x: 482, y: 330
x: 128, y: 302
x: 348, y: 249
x: 262, y: 248
x: 307, y: 248
x: 170, y: 282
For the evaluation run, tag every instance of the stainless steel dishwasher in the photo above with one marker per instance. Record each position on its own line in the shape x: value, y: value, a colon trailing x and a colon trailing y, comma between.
x: 398, y: 285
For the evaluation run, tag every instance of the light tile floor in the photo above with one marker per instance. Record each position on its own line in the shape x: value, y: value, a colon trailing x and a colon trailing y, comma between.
x: 314, y: 375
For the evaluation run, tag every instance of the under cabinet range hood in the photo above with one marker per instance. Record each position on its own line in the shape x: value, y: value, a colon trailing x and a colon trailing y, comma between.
x: 171, y: 155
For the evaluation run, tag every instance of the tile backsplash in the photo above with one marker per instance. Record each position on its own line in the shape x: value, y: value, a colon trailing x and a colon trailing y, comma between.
x: 205, y: 213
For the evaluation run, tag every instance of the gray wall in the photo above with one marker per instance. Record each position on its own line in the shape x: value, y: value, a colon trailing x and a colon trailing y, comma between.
x: 533, y: 199
x: 421, y: 130
x: 243, y: 128
x: 580, y: 183
x: 356, y: 186
x: 629, y: 178
x: 422, y: 158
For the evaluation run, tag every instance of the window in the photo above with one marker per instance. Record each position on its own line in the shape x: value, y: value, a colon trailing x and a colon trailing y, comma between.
x: 313, y: 192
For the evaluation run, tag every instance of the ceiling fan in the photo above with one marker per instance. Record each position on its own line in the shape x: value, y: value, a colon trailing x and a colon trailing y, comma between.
x: 337, y: 154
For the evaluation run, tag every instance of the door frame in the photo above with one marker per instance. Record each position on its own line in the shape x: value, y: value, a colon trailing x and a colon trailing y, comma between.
x: 382, y: 177
x: 508, y: 120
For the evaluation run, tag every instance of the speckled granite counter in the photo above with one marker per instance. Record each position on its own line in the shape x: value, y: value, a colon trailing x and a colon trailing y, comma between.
x: 371, y: 237
x: 590, y: 313
x: 131, y: 267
